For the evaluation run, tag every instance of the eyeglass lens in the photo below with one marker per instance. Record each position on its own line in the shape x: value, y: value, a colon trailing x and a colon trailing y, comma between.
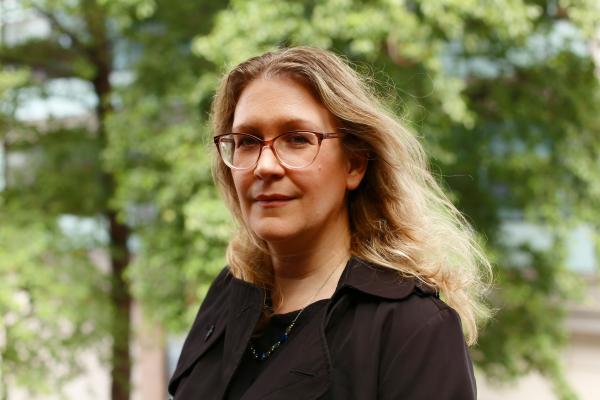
x: 294, y: 149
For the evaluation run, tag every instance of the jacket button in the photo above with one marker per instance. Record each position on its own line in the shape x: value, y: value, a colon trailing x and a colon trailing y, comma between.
x: 209, y: 332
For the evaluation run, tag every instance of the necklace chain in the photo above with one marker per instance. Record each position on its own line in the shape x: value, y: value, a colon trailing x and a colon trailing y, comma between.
x: 262, y: 356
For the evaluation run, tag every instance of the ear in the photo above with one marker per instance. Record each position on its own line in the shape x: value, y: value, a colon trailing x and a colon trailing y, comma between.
x: 357, y: 167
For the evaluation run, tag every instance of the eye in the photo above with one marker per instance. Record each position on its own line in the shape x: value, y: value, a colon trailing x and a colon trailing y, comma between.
x: 246, y: 141
x: 299, y: 138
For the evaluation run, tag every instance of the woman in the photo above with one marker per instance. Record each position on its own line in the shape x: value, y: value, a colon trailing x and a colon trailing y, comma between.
x: 345, y: 243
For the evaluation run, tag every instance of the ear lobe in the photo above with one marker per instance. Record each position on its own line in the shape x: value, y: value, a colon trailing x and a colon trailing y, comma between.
x: 357, y: 167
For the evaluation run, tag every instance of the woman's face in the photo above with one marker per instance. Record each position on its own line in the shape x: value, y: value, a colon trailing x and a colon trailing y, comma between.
x: 291, y: 205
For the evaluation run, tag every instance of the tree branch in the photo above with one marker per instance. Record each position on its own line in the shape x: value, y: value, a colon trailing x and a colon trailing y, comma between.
x: 77, y: 44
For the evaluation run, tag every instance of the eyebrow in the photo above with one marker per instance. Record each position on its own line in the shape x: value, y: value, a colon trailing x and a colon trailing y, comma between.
x: 284, y: 125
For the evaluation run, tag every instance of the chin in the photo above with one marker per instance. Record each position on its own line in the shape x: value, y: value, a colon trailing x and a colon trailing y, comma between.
x: 274, y: 232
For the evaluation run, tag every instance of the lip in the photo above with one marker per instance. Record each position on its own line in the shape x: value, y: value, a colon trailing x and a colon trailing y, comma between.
x: 272, y: 200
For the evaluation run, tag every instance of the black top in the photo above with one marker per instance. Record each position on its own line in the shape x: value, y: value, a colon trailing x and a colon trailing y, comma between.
x: 382, y: 336
x: 250, y: 368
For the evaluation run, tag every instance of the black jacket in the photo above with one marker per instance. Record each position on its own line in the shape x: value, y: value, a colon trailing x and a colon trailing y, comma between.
x: 381, y: 337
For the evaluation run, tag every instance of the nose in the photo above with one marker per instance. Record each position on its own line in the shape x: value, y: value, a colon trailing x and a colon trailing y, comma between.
x: 268, y: 165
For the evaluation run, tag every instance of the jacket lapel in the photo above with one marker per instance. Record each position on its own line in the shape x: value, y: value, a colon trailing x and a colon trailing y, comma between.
x: 245, y: 305
x: 204, y: 333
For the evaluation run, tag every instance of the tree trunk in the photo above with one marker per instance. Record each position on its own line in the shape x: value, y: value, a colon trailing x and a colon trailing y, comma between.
x: 121, y: 301
x: 118, y: 231
x: 120, y: 296
x: 3, y: 383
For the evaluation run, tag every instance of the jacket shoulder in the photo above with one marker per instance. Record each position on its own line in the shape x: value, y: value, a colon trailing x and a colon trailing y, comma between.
x: 214, y: 304
x: 400, y: 328
x: 204, y: 330
x: 217, y: 289
x: 403, y: 303
x: 414, y: 336
x: 424, y: 343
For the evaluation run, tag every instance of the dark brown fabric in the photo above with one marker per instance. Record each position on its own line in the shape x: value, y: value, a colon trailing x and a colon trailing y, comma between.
x: 380, y: 337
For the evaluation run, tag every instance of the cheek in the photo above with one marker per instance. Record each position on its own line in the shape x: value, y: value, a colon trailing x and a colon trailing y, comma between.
x: 326, y: 189
x: 241, y: 185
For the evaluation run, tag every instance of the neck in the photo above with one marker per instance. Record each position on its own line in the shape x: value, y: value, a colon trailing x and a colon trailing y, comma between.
x: 311, y: 273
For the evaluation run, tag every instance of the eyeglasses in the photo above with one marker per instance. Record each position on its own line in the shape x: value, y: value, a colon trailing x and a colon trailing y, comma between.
x: 294, y: 150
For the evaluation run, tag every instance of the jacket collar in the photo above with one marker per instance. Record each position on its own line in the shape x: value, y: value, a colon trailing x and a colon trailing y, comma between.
x: 380, y: 281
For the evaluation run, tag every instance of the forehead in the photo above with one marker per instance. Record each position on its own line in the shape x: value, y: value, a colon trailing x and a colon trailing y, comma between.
x: 280, y: 103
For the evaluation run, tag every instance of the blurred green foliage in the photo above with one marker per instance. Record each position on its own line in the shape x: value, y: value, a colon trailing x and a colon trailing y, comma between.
x: 504, y: 95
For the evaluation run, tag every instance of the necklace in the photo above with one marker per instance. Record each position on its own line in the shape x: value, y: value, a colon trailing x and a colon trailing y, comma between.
x: 262, y: 356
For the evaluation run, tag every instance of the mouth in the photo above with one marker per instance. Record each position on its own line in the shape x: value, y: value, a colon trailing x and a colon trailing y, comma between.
x: 272, y: 200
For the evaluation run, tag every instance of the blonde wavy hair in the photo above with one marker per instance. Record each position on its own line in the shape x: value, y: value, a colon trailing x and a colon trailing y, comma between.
x: 412, y: 227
